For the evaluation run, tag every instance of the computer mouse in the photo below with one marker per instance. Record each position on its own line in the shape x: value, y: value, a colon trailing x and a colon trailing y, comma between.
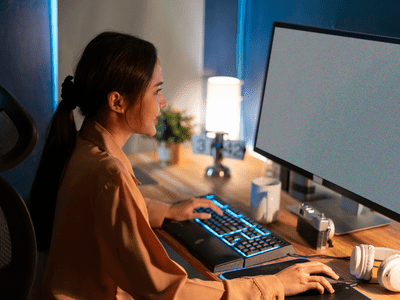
x: 314, y: 293
x: 332, y: 281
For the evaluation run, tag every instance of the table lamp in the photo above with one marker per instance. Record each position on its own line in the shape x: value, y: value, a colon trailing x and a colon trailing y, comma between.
x: 223, y: 118
x: 223, y: 105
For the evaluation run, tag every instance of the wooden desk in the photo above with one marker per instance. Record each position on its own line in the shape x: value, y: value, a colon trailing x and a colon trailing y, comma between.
x: 187, y: 180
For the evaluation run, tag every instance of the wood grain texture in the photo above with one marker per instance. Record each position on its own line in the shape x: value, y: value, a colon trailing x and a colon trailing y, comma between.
x: 188, y: 179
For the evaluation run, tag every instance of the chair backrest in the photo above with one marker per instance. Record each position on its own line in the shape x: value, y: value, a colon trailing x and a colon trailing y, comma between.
x: 18, y: 254
x: 18, y: 251
x: 18, y: 132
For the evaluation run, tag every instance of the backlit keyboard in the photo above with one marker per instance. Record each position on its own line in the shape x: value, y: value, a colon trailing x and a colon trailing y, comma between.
x: 230, y: 241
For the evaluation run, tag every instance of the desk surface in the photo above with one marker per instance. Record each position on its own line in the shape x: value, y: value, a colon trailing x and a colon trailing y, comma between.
x: 187, y: 179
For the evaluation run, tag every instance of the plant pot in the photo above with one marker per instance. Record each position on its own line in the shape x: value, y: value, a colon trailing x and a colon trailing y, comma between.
x: 175, y: 154
x: 171, y: 154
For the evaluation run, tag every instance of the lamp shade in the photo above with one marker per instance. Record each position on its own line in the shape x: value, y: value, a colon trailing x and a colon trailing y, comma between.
x: 223, y: 105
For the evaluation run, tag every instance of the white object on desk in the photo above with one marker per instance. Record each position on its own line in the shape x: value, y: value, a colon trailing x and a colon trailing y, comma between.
x: 362, y: 262
x: 265, y: 199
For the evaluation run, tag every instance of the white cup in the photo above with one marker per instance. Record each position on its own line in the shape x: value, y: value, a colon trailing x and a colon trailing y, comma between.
x: 265, y: 199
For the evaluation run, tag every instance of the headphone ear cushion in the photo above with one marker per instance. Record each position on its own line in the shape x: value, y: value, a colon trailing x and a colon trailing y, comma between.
x: 389, y: 273
x: 355, y: 261
x: 362, y: 261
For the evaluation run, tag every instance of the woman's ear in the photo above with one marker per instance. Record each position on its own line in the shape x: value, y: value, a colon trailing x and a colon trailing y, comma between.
x: 116, y: 102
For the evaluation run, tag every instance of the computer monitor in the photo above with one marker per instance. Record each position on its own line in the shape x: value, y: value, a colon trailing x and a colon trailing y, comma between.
x: 330, y: 112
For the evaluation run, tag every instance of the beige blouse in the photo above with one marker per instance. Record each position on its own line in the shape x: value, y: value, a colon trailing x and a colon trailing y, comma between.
x: 103, y: 245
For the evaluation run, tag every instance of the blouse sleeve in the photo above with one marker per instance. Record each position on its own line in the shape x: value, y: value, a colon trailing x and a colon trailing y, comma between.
x: 138, y: 263
x: 157, y: 211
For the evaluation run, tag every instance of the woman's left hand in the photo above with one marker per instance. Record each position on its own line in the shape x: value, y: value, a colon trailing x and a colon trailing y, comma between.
x: 185, y: 210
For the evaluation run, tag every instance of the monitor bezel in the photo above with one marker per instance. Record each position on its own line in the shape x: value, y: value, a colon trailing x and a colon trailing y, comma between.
x: 307, y: 174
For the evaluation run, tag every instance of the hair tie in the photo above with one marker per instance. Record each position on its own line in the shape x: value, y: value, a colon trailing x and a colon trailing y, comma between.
x: 68, y: 93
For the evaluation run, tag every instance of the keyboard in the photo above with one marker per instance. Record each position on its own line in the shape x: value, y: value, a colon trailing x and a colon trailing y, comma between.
x: 230, y: 241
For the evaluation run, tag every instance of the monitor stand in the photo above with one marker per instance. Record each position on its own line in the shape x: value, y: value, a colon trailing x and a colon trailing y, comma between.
x: 347, y: 215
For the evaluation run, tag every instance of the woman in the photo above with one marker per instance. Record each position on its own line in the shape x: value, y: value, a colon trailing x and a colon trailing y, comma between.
x: 102, y: 245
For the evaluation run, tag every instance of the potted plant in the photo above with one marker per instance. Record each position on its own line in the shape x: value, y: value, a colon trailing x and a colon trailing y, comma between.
x: 173, y: 128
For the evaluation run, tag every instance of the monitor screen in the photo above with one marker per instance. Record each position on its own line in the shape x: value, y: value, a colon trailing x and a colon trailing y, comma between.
x: 330, y: 111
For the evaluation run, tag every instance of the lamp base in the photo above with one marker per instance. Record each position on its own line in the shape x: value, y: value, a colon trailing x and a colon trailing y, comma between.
x: 218, y: 171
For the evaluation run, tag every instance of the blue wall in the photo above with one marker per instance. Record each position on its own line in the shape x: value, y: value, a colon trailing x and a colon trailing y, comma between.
x: 25, y: 71
x: 220, y: 56
x: 220, y: 37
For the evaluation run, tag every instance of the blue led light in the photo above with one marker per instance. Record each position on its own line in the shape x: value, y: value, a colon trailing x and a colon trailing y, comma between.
x: 257, y: 253
x: 234, y: 232
x: 247, y: 237
x: 239, y: 236
x: 233, y: 214
x: 53, y: 13
x: 240, y: 36
x: 226, y: 242
x: 220, y: 205
x: 232, y: 245
x: 262, y: 233
x: 247, y: 223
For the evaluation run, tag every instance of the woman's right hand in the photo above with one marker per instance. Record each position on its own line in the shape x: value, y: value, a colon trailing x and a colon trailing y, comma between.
x: 184, y: 210
x: 297, y: 279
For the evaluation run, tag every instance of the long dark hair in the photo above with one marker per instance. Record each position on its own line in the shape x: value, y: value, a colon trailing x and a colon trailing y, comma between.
x: 110, y: 62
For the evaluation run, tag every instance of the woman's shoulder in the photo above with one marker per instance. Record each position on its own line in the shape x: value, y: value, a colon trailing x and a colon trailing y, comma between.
x: 92, y: 159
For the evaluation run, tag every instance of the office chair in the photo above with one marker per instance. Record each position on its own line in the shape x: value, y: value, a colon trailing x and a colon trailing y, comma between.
x: 18, y: 254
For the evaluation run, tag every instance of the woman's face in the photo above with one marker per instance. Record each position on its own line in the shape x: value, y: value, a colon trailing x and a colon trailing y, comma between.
x: 142, y: 117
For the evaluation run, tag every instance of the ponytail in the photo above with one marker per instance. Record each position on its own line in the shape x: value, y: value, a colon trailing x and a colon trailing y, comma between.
x: 59, y: 144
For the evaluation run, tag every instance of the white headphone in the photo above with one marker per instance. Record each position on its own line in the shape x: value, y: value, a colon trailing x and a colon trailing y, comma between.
x: 362, y: 262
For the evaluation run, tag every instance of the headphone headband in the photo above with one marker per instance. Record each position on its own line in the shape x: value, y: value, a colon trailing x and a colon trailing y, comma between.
x: 381, y: 253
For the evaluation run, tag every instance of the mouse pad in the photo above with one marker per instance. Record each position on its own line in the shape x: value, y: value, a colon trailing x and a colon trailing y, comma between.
x: 342, y: 290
